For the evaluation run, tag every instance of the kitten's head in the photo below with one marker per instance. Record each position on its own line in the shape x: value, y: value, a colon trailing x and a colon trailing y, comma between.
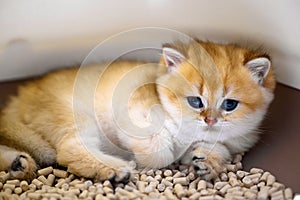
x: 217, y: 91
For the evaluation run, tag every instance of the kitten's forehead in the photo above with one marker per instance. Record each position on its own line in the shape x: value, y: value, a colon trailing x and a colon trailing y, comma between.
x: 212, y: 96
x: 212, y: 86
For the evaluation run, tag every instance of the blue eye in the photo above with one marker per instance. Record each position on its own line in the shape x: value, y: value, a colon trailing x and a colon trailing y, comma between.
x: 195, y: 102
x: 229, y: 104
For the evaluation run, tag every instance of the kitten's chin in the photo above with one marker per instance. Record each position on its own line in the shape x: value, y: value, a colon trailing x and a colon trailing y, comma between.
x: 218, y: 133
x: 212, y: 133
x: 227, y: 133
x: 204, y: 133
x: 212, y: 129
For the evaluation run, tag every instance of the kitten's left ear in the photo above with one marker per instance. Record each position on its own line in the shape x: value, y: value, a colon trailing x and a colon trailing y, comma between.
x: 259, y: 68
x: 172, y: 58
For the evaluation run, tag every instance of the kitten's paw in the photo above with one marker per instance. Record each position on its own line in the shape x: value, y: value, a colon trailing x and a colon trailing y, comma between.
x: 121, y: 174
x: 23, y: 167
x: 208, y: 165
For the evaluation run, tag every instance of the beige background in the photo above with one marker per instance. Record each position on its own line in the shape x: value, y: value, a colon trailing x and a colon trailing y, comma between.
x: 39, y: 35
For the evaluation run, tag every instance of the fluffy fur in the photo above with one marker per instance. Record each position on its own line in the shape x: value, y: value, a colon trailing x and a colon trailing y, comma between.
x: 95, y: 119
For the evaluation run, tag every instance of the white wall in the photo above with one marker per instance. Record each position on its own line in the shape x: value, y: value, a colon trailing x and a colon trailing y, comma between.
x: 37, y: 35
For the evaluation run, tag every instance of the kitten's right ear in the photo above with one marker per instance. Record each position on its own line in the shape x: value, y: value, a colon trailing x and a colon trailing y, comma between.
x: 172, y: 58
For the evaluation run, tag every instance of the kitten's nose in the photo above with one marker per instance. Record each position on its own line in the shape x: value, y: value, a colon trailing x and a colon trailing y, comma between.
x: 210, y: 120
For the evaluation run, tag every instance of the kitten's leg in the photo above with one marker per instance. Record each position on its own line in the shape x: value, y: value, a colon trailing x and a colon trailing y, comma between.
x: 18, y: 164
x: 97, y: 165
x: 208, y: 159
x: 154, y: 151
x: 148, y: 158
x: 16, y: 134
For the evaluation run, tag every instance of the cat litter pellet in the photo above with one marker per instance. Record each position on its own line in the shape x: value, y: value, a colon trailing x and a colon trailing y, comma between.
x: 174, y: 182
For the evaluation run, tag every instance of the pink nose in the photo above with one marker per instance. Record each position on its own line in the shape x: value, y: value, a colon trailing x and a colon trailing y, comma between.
x: 210, y: 120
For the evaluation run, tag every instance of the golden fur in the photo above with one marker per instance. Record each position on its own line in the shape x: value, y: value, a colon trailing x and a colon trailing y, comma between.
x: 93, y: 120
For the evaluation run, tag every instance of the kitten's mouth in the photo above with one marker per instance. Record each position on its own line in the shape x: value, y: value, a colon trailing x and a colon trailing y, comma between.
x: 210, y: 128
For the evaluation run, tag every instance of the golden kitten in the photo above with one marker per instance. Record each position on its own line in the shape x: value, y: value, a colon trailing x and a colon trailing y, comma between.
x: 202, y: 103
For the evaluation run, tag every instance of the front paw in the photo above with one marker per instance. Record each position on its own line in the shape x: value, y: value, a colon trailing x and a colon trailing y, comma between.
x: 23, y: 167
x: 207, y: 165
x: 120, y: 174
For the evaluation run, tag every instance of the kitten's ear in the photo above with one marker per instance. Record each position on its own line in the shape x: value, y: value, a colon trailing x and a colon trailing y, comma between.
x: 259, y: 68
x: 172, y: 58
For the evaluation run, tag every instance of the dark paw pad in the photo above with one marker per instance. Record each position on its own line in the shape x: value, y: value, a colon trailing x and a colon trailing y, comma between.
x: 123, y: 177
x: 201, y: 157
x: 17, y: 164
x: 202, y: 169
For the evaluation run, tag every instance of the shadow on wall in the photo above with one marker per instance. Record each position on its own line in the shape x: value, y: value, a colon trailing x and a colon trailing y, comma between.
x: 278, y: 149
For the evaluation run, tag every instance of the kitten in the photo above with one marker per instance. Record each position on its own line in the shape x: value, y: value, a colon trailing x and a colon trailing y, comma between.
x: 202, y: 103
